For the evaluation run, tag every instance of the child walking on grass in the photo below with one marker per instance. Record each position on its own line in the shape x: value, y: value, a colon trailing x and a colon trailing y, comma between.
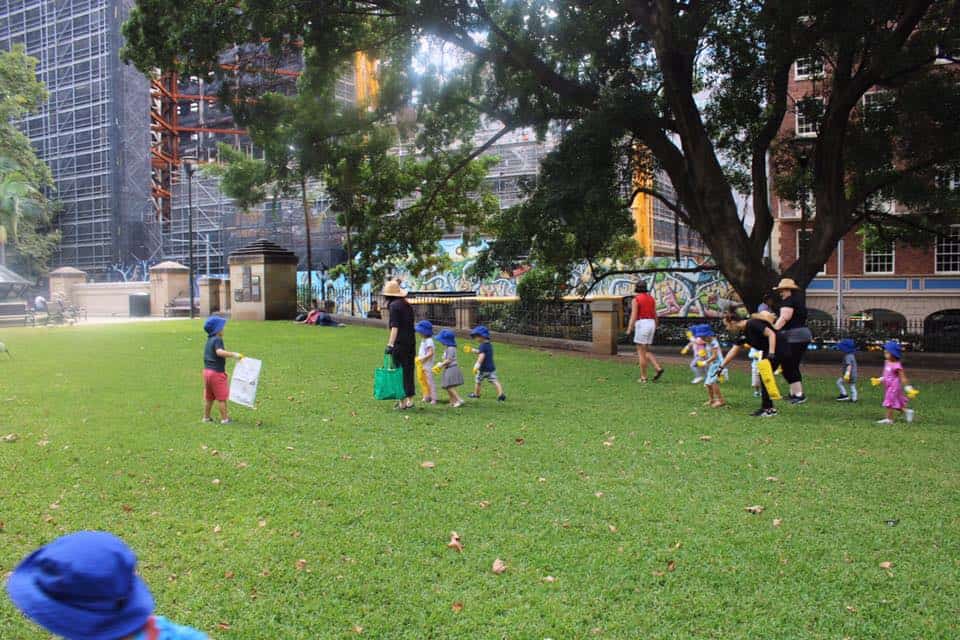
x: 694, y: 346
x: 712, y: 361
x: 452, y: 376
x: 898, y: 391
x: 484, y: 368
x: 425, y: 362
x: 849, y: 373
x: 216, y: 387
x: 84, y: 586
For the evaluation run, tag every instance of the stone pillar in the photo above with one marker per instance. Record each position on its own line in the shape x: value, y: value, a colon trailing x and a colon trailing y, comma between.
x: 209, y: 296
x: 168, y: 280
x: 62, y: 281
x: 225, y: 295
x: 263, y: 279
x: 466, y: 311
x: 606, y: 324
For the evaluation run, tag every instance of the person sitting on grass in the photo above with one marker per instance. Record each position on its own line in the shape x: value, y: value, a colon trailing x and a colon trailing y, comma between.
x: 84, y: 586
x: 311, y: 316
x: 484, y: 368
x: 216, y: 387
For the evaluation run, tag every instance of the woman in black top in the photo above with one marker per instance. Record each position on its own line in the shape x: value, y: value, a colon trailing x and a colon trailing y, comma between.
x: 402, y: 342
x: 756, y: 332
x: 791, y: 324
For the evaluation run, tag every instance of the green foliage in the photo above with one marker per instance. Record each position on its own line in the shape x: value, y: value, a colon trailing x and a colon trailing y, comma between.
x: 26, y: 214
x: 610, y: 482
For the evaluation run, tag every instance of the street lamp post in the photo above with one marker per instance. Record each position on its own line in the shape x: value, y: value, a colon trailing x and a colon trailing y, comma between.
x: 188, y: 172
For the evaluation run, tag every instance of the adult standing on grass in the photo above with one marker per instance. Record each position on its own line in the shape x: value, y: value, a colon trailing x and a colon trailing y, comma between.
x: 791, y: 325
x: 402, y: 343
x: 756, y: 332
x: 643, y: 326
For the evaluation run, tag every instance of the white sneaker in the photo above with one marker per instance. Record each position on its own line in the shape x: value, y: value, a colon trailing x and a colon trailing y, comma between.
x: 908, y: 414
x: 207, y: 420
x: 227, y: 421
x: 697, y: 380
x: 885, y: 421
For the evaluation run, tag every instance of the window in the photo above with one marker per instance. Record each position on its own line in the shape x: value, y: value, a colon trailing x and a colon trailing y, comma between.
x: 874, y: 104
x: 948, y: 251
x: 808, y: 236
x: 808, y: 113
x: 810, y: 67
x: 948, y: 179
x: 879, y: 259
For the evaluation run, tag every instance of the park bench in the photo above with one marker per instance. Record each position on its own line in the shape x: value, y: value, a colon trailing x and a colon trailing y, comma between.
x: 12, y: 313
x: 179, y: 306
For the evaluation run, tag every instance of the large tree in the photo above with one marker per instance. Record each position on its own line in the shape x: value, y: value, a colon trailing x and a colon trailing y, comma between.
x: 26, y: 213
x: 702, y: 86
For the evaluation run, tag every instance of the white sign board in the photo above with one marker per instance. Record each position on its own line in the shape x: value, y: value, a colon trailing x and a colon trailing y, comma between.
x: 243, y: 385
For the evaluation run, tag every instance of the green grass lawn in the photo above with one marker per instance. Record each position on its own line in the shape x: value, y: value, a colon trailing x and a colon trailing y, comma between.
x: 583, y: 475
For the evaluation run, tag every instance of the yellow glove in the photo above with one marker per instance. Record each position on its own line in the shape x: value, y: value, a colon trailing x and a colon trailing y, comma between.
x: 911, y: 392
x: 239, y: 356
x: 438, y: 368
x: 418, y: 360
x: 689, y: 335
x: 846, y: 377
x: 723, y: 375
x: 875, y: 381
x: 685, y: 350
x: 476, y: 368
x: 702, y: 353
x: 467, y: 348
x: 701, y: 363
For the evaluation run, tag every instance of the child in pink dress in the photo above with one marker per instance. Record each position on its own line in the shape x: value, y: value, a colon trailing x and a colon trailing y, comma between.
x: 898, y: 391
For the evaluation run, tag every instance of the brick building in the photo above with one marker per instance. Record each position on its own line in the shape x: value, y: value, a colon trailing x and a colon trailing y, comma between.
x: 898, y: 286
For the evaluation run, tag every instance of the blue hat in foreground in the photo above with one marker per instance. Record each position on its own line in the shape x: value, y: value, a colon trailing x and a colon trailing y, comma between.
x: 424, y: 327
x: 447, y: 338
x: 893, y: 348
x: 481, y: 331
x: 214, y: 325
x: 701, y: 331
x: 847, y: 345
x: 82, y: 586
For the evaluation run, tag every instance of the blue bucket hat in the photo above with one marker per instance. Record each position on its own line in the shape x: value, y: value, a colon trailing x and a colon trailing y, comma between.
x: 447, y: 338
x: 847, y: 345
x: 698, y: 330
x: 424, y: 327
x: 214, y: 325
x: 893, y: 348
x: 481, y: 331
x: 82, y: 586
x: 706, y: 331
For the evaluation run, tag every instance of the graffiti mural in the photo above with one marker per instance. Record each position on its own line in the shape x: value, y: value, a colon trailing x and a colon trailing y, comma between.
x: 701, y: 294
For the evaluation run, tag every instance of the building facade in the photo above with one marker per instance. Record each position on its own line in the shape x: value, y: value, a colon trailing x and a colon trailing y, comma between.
x: 898, y: 286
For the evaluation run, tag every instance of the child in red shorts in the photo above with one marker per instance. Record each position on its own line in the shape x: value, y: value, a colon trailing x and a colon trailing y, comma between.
x: 216, y: 387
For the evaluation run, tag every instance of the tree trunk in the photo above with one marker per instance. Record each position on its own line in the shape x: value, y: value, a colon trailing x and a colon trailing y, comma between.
x: 306, y: 221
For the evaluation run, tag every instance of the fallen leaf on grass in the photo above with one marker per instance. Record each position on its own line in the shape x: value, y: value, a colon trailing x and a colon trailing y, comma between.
x: 126, y: 508
x: 223, y: 626
x: 301, y: 564
x: 457, y: 607
x: 455, y: 542
x: 217, y: 529
x: 520, y: 441
x: 295, y: 534
x: 598, y: 494
x: 427, y: 464
x: 777, y: 522
x: 549, y: 579
x: 289, y: 448
x: 261, y: 523
x: 671, y: 566
x: 242, y: 465
x: 357, y: 629
x: 541, y: 479
x: 886, y: 565
x: 42, y: 443
x: 658, y: 574
x: 229, y: 575
x: 499, y: 566
x: 55, y: 505
x: 706, y: 438
x: 773, y: 479
x: 612, y: 528
x: 11, y: 437
x: 851, y: 608
x: 755, y: 509
x: 484, y: 504
x: 265, y: 573
x: 216, y: 481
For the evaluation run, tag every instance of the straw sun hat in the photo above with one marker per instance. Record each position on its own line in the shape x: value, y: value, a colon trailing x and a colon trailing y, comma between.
x: 786, y: 283
x: 393, y: 290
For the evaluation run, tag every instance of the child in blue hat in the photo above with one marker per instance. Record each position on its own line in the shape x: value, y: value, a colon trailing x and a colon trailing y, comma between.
x: 425, y: 361
x: 216, y: 388
x: 898, y: 391
x: 694, y: 346
x: 484, y: 368
x: 711, y: 358
x: 452, y: 376
x: 850, y: 369
x: 84, y: 586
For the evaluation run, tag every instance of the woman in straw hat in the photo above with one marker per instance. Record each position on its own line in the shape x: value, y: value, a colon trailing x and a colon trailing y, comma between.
x: 402, y: 343
x: 792, y: 326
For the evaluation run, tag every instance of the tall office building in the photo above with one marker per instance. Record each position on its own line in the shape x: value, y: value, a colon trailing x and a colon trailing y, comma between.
x: 93, y: 132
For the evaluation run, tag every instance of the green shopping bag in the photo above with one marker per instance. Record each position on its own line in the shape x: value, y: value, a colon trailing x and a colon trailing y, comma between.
x: 388, y: 381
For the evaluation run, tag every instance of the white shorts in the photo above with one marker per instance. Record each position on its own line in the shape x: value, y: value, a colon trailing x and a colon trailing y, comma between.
x: 643, y: 331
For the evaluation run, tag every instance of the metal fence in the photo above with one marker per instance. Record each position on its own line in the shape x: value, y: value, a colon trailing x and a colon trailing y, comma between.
x: 566, y: 320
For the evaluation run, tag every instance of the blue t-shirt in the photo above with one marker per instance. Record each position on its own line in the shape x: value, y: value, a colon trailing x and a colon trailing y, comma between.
x: 487, y: 365
x: 210, y: 358
x: 167, y: 630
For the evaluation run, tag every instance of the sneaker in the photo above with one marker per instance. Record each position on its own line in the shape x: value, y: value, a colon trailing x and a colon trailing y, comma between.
x: 908, y: 414
x: 456, y: 405
x: 502, y: 397
x: 885, y: 421
x: 769, y: 413
x: 474, y: 396
x: 758, y: 413
x: 657, y: 376
x: 207, y: 420
x: 798, y: 399
x: 756, y: 394
x: 843, y: 398
x: 697, y: 380
x: 226, y: 421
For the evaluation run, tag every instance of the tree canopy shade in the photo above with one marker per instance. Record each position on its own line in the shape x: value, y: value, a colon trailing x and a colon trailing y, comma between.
x: 703, y: 86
